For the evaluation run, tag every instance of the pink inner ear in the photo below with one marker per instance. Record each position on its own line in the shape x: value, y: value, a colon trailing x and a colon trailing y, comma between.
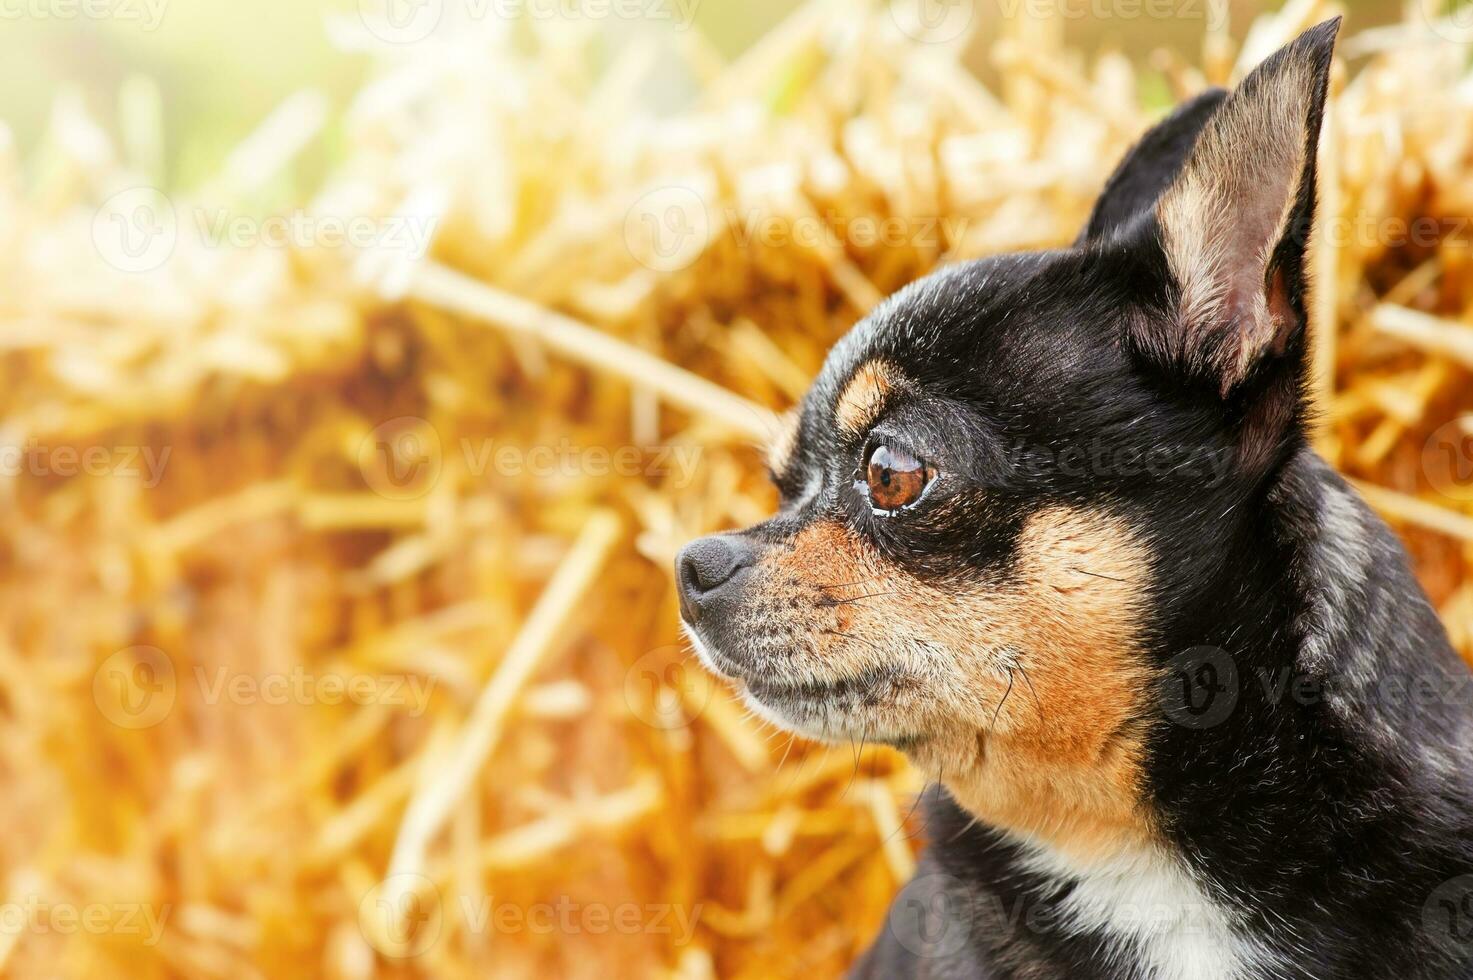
x: 1280, y: 311
x: 1245, y: 230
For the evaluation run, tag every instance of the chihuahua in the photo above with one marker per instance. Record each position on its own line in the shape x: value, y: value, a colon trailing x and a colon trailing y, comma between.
x: 1050, y: 524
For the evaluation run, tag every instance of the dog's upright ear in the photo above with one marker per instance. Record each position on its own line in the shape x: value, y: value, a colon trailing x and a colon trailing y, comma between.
x: 1150, y: 166
x: 1233, y: 227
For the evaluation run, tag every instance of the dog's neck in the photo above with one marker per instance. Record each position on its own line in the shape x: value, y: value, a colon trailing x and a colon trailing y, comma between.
x: 1083, y: 816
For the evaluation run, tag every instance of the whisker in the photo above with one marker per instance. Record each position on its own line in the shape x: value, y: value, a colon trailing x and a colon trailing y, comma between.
x: 909, y: 815
x: 828, y: 603
x: 792, y: 737
x: 1085, y: 571
x: 858, y: 757
x: 848, y: 636
x: 844, y: 585
x: 1026, y: 680
x: 1005, y: 695
x: 798, y: 770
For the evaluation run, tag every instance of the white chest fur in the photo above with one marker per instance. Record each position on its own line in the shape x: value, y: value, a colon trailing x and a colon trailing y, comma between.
x: 1158, y: 922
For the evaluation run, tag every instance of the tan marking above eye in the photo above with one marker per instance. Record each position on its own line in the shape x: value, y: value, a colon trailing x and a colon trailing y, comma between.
x: 863, y: 398
x: 783, y: 442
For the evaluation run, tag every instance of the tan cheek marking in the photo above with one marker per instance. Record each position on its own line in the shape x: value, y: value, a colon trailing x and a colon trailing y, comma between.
x: 1061, y: 760
x: 864, y: 396
x: 784, y: 440
x: 1066, y: 766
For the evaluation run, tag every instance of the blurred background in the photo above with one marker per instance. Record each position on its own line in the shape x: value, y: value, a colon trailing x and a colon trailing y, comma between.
x: 365, y: 364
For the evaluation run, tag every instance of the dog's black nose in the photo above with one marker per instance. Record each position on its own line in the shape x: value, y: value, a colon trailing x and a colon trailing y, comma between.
x: 706, y: 570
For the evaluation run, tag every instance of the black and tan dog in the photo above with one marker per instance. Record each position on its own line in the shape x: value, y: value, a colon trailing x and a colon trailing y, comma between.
x: 1050, y: 525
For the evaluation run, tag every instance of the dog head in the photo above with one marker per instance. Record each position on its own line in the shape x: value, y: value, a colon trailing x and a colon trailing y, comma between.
x: 969, y: 557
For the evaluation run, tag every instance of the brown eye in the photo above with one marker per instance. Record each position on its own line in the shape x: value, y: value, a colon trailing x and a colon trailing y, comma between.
x: 895, y: 479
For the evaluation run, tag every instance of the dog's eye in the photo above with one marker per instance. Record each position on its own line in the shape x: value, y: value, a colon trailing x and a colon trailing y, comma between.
x: 895, y: 479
